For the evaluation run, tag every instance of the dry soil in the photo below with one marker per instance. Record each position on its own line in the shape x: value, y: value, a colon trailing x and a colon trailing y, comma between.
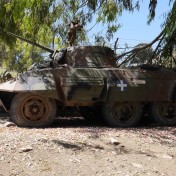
x: 74, y: 147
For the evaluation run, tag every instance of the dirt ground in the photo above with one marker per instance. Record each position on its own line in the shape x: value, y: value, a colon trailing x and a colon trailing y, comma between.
x: 73, y: 146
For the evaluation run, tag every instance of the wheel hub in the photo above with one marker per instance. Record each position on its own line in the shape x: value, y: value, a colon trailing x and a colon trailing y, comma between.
x: 34, y: 109
x: 123, y: 112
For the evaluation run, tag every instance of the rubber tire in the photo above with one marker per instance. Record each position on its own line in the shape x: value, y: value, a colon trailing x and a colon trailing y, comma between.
x: 158, y: 117
x: 112, y: 121
x: 17, y: 115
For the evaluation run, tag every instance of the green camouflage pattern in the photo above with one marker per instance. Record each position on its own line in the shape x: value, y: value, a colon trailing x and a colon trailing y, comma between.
x: 88, y: 77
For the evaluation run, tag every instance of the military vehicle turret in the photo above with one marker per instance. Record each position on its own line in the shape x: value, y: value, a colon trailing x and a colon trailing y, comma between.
x: 88, y: 77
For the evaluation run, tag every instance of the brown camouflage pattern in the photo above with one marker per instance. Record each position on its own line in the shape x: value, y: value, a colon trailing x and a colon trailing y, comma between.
x: 89, y: 75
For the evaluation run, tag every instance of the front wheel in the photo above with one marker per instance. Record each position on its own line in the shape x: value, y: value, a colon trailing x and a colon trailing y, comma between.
x: 31, y: 110
x: 125, y: 114
x: 164, y: 113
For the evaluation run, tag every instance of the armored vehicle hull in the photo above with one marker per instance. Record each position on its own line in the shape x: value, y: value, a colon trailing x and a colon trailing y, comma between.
x: 88, y: 77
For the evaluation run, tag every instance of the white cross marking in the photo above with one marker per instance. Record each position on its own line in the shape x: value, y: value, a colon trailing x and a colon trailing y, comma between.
x: 122, y: 85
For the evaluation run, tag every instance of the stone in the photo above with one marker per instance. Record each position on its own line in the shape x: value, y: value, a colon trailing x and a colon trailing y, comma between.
x: 114, y: 141
x: 25, y: 149
x: 9, y: 124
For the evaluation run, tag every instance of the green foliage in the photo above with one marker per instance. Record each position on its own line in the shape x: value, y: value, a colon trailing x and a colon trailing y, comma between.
x: 169, y: 41
x: 92, y: 4
x: 19, y: 57
x: 46, y: 22
x: 100, y: 41
x: 152, y: 7
x: 142, y: 57
x: 109, y: 12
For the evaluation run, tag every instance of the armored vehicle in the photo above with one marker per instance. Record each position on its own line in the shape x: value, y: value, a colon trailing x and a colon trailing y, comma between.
x: 88, y: 77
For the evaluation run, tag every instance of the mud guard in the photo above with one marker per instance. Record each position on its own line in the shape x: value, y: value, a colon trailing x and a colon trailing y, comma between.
x: 44, y: 85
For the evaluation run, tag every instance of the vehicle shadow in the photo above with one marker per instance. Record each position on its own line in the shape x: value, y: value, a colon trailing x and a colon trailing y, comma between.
x: 71, y: 122
x: 79, y: 121
x: 4, y: 117
x: 76, y: 120
x: 71, y: 117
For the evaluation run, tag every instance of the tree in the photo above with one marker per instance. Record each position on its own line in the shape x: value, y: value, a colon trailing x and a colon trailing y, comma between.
x: 142, y: 57
x: 34, y: 19
x: 19, y: 57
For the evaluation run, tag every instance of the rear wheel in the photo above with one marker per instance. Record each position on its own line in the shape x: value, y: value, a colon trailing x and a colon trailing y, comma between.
x: 31, y: 110
x: 164, y: 113
x: 122, y: 114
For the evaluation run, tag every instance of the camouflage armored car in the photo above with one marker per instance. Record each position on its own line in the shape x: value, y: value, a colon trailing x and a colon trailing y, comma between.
x: 88, y: 77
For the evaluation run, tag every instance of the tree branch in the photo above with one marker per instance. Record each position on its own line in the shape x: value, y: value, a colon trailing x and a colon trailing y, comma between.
x: 135, y: 51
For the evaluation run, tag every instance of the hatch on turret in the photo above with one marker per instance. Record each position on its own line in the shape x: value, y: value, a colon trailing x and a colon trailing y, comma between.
x: 90, y: 56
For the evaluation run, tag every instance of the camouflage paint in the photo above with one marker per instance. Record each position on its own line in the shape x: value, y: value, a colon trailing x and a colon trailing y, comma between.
x: 90, y: 75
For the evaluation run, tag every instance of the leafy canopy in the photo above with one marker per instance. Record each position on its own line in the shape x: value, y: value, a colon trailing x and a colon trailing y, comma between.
x: 47, y: 20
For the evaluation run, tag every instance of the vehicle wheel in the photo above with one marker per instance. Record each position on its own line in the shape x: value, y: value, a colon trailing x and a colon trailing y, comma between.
x: 122, y: 114
x: 90, y: 113
x: 31, y: 110
x: 164, y: 113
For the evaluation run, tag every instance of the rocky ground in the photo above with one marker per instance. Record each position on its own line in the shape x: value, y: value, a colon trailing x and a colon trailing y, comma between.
x: 73, y: 146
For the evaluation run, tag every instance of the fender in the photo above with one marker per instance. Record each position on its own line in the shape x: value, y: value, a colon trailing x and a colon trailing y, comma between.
x: 25, y: 82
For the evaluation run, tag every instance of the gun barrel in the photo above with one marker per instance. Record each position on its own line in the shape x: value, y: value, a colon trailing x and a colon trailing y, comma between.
x: 32, y: 43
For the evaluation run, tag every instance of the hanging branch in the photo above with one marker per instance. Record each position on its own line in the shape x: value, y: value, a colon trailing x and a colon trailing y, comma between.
x: 115, y: 45
x: 157, y: 51
x: 132, y: 53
